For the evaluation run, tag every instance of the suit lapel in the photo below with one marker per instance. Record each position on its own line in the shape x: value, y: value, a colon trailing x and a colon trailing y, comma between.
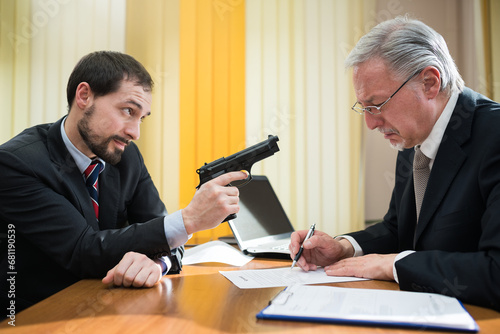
x: 404, y: 199
x: 443, y: 173
x: 408, y: 214
x: 68, y: 175
x: 109, y: 195
x: 449, y: 159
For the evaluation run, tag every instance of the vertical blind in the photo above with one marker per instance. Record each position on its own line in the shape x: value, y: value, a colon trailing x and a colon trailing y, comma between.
x: 297, y: 88
x: 212, y: 91
x: 40, y: 44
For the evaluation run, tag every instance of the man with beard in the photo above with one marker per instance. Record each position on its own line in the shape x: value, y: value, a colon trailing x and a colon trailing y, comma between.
x: 442, y: 232
x: 118, y: 228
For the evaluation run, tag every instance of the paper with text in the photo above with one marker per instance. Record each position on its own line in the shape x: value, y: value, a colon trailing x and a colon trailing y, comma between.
x: 276, y: 277
x: 369, y: 306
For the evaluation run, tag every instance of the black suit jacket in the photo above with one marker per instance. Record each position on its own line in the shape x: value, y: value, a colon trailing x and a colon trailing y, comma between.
x: 44, y: 202
x: 457, y: 238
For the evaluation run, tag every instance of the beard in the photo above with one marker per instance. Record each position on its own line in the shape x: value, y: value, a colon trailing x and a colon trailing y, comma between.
x: 99, y: 144
x: 398, y: 146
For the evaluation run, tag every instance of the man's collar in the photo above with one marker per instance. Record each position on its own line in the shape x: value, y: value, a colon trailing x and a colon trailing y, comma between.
x: 431, y: 144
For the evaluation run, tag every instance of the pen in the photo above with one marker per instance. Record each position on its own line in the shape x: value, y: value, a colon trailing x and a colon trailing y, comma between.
x: 309, y: 234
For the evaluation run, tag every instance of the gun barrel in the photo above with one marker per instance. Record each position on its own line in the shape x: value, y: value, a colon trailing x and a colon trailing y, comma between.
x: 243, y: 159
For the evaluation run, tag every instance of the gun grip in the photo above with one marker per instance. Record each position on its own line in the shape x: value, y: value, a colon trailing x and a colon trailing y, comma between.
x: 230, y: 217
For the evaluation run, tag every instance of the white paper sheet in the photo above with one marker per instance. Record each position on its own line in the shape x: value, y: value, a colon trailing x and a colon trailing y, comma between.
x: 215, y: 251
x: 275, y: 277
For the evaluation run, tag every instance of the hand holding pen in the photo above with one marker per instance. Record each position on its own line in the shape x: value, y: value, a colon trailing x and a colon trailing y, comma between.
x: 309, y: 234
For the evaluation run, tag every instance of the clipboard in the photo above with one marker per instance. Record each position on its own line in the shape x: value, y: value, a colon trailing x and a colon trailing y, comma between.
x: 368, y: 307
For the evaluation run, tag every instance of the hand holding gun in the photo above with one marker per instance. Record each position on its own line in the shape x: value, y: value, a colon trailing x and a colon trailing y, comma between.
x: 242, y: 160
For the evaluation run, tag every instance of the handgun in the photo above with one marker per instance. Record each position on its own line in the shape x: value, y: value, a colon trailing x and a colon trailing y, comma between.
x: 242, y: 160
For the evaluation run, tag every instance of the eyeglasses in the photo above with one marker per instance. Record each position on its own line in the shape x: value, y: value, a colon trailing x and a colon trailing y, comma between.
x: 360, y: 110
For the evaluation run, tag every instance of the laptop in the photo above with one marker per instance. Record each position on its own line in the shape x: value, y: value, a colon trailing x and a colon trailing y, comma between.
x: 261, y: 227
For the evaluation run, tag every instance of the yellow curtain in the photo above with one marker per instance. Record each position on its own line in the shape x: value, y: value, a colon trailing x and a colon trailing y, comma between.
x: 195, y: 50
x: 15, y: 42
x: 212, y: 90
x: 491, y: 31
x: 489, y: 65
x: 152, y: 37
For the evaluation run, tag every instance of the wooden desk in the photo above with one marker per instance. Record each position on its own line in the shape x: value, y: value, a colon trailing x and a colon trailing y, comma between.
x: 200, y: 300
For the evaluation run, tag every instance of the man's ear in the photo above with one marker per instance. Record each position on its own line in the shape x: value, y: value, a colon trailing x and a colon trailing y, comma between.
x: 432, y: 81
x: 83, y: 95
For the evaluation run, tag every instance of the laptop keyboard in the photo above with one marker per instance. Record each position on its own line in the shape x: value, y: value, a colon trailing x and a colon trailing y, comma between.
x: 281, y: 247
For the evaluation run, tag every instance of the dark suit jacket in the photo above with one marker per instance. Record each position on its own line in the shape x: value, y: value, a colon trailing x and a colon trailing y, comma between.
x: 58, y: 241
x: 457, y: 238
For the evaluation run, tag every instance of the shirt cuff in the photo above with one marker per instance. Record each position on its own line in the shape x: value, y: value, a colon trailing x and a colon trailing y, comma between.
x: 357, y: 248
x: 175, y: 231
x: 399, y: 257
x: 165, y: 263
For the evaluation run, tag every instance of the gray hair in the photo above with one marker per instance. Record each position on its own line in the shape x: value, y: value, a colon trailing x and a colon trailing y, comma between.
x: 407, y: 46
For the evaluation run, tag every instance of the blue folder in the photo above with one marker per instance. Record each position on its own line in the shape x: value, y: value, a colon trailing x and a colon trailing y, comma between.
x: 369, y: 307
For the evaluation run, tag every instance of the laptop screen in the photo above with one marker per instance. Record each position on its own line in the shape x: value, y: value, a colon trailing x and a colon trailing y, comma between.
x: 261, y: 214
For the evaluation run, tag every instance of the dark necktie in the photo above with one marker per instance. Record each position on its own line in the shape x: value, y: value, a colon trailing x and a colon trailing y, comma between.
x: 91, y: 181
x: 421, y: 172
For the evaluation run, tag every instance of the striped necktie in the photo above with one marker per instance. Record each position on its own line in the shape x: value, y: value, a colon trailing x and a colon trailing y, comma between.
x: 91, y: 181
